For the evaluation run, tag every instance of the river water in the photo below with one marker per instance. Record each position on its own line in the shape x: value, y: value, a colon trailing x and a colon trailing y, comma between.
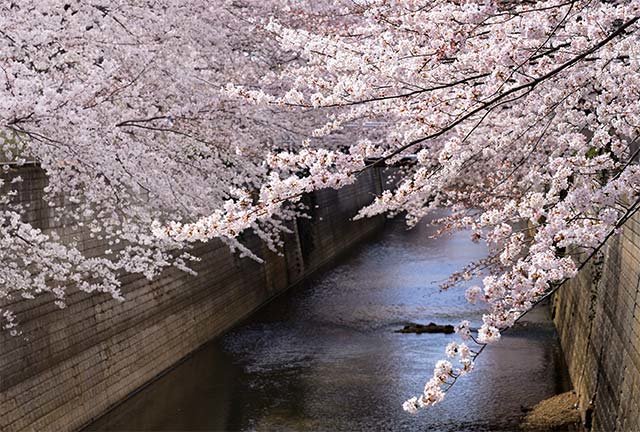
x: 324, y: 356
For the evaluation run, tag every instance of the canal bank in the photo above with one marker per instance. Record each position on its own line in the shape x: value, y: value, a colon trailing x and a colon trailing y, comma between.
x: 598, y: 319
x: 325, y: 355
x: 70, y: 366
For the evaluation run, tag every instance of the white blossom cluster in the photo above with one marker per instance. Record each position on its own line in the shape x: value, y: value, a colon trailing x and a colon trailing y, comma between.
x: 308, y: 170
x: 122, y: 105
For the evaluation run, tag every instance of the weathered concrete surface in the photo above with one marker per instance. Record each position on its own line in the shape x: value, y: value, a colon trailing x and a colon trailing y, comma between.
x: 598, y: 320
x: 72, y: 365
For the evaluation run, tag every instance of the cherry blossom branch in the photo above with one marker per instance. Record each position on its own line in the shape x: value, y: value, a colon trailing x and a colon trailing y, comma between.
x: 529, y: 85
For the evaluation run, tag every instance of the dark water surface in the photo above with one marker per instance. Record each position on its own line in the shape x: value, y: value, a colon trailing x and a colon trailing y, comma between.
x: 324, y: 356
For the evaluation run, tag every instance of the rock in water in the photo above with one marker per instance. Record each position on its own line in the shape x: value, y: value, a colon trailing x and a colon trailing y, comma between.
x: 429, y: 328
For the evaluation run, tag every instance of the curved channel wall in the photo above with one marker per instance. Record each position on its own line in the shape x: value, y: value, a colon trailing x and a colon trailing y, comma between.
x: 598, y: 319
x: 70, y: 366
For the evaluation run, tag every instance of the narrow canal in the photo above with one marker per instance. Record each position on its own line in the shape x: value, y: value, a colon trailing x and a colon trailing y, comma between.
x: 324, y: 356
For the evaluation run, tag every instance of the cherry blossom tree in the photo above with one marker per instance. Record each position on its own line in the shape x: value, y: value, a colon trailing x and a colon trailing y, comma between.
x: 167, y: 124
x: 121, y: 104
x: 523, y: 118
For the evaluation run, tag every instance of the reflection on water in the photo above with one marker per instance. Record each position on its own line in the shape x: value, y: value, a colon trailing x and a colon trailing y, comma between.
x: 324, y: 355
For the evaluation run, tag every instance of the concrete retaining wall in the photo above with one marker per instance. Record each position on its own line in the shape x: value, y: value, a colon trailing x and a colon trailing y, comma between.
x: 72, y: 365
x: 598, y: 320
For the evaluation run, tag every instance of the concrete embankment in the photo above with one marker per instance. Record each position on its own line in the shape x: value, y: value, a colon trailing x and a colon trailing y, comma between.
x: 69, y: 366
x: 598, y: 319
